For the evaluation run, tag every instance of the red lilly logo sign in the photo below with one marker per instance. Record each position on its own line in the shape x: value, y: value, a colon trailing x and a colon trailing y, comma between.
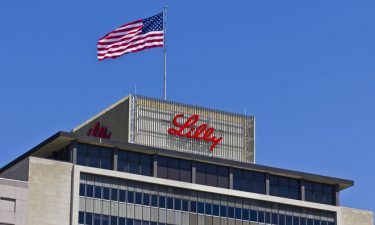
x: 99, y: 131
x: 187, y: 129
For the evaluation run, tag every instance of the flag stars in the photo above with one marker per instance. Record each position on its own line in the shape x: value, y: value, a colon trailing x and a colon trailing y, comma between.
x: 154, y: 23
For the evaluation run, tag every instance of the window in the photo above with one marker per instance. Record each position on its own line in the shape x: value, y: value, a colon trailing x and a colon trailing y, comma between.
x: 201, y: 207
x: 281, y: 220
x: 114, y: 194
x: 208, y: 209
x: 216, y: 210
x: 250, y: 181
x: 81, y: 218
x: 222, y: 177
x: 177, y: 204
x: 211, y: 175
x: 245, y: 214
x: 185, y: 205
x: 200, y: 173
x: 231, y: 212
x: 185, y: 170
x: 223, y: 211
x: 169, y: 202
x: 173, y: 169
x: 89, y: 190
x: 113, y: 220
x: 261, y: 217
x: 146, y: 165
x: 162, y: 167
x: 253, y: 216
x: 105, y: 220
x: 154, y: 200
x: 96, y: 219
x: 89, y: 218
x: 106, y: 193
x: 98, y: 192
x: 82, y: 189
x: 146, y: 199
x: 138, y: 198
x: 238, y: 213
x: 130, y: 197
x: 193, y: 206
x: 106, y: 158
x: 134, y: 162
x: 122, y: 161
x: 122, y: 196
x: 284, y: 187
x: 320, y: 193
x: 94, y: 156
x: 161, y: 201
x: 121, y: 221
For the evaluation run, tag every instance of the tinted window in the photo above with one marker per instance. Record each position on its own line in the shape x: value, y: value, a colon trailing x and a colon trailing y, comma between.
x: 138, y: 198
x: 113, y: 220
x: 106, y: 193
x: 162, y: 167
x: 98, y: 192
x: 154, y: 200
x: 82, y: 189
x: 201, y: 207
x: 245, y: 214
x: 200, y: 173
x: 223, y: 177
x: 161, y: 201
x: 185, y: 205
x: 89, y: 190
x: 177, y: 204
x: 193, y: 206
x: 238, y: 213
x: 253, y: 216
x: 81, y: 218
x: 114, y: 194
x: 230, y: 212
x: 122, y: 161
x: 146, y: 199
x: 170, y: 203
x: 216, y: 210
x: 223, y: 211
x: 211, y: 175
x: 130, y: 197
x: 122, y: 197
x: 208, y: 209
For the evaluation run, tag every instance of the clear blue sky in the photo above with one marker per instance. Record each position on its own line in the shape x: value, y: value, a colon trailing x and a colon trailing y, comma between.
x: 304, y: 69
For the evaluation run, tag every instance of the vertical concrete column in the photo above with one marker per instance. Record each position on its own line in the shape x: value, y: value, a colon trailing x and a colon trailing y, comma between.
x: 193, y: 173
x: 302, y: 191
x: 73, y: 152
x: 337, y: 195
x: 267, y: 184
x: 230, y: 177
x: 115, y: 159
x: 155, y: 165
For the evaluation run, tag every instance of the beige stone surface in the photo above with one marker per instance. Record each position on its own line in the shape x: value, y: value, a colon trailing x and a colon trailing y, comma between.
x: 49, y: 192
x: 350, y: 216
x: 13, y: 202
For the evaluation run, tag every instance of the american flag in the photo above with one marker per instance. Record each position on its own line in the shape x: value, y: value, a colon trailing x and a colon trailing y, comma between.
x: 132, y: 37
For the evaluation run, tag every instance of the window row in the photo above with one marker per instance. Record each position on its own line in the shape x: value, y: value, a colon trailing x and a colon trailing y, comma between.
x: 98, y: 219
x: 206, y: 174
x: 200, y: 207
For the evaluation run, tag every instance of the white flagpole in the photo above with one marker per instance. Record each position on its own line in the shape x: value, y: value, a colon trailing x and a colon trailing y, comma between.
x: 165, y: 50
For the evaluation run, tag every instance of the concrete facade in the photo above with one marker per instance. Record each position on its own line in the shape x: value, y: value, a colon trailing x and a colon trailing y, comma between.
x: 13, y: 202
x: 49, y: 192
